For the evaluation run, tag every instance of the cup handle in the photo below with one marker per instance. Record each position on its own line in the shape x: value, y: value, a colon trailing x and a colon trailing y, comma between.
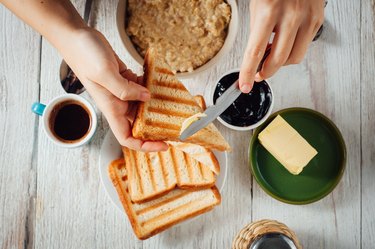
x: 38, y: 108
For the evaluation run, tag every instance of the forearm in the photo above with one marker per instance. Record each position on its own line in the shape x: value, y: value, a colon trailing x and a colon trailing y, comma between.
x: 56, y: 20
x: 93, y: 60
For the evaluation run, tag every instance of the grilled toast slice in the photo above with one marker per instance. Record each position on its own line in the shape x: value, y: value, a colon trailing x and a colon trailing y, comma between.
x: 199, y: 153
x: 157, y: 215
x: 196, y: 151
x: 200, y: 101
x: 152, y: 174
x: 161, y: 117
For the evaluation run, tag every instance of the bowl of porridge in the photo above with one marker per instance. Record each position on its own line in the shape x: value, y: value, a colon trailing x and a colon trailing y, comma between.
x: 190, y: 36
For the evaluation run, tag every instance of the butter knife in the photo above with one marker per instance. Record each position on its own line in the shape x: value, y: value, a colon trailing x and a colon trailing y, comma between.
x: 222, y: 103
x: 212, y: 112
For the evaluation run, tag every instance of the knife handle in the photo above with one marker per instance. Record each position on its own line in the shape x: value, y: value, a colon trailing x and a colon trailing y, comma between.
x: 266, y: 54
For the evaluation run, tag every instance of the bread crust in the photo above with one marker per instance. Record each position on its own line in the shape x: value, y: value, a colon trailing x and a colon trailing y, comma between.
x: 131, y: 213
x: 137, y: 125
x: 164, y: 87
x: 138, y: 196
x: 200, y: 100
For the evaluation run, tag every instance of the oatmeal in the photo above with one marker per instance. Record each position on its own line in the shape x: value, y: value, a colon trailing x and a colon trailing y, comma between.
x: 186, y: 33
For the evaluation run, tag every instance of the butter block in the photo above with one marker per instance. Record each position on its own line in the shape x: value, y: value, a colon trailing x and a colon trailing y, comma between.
x: 287, y: 145
x: 187, y: 122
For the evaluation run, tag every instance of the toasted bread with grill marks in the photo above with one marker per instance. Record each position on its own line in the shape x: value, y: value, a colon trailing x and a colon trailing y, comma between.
x: 200, y: 101
x: 199, y: 153
x: 155, y: 216
x: 152, y: 174
x: 161, y: 117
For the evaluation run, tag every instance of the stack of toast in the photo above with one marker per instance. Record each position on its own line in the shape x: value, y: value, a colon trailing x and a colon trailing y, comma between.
x: 160, y: 189
x: 171, y: 104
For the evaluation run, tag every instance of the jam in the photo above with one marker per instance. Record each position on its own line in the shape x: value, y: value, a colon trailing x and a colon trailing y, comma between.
x: 247, y: 109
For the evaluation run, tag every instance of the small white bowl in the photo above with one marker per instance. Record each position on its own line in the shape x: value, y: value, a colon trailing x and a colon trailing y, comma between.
x: 243, y: 128
x: 227, y: 46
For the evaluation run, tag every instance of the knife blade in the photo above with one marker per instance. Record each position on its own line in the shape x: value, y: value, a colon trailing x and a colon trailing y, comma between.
x: 212, y: 112
x: 222, y: 103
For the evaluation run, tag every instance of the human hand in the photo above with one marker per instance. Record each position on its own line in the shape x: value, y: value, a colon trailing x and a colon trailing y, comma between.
x: 114, y: 88
x: 294, y: 22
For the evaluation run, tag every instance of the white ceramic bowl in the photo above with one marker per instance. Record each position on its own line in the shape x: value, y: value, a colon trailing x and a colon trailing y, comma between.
x: 229, y: 41
x: 243, y: 128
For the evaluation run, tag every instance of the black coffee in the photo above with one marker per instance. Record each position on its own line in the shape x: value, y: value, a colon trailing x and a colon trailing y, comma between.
x: 70, y: 121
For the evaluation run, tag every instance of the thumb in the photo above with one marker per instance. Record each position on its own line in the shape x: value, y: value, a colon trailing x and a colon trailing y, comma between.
x: 129, y: 90
x: 125, y: 89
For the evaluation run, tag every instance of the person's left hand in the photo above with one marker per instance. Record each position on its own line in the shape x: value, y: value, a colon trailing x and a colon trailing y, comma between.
x: 115, y: 89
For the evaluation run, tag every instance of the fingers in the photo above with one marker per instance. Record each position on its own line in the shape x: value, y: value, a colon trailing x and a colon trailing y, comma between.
x: 128, y: 74
x: 121, y: 128
x: 122, y: 87
x: 146, y: 146
x: 256, y: 46
x: 128, y: 90
x: 302, y: 41
x: 140, y: 80
x: 124, y: 71
x: 154, y: 146
x: 132, y: 111
x: 115, y: 111
x: 281, y: 47
x: 120, y: 81
x: 294, y: 22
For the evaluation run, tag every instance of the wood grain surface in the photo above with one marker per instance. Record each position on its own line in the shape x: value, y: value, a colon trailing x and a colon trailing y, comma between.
x: 52, y: 197
x: 367, y: 84
x: 19, y: 88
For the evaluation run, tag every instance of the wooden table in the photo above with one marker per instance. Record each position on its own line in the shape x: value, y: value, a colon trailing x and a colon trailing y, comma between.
x: 52, y: 197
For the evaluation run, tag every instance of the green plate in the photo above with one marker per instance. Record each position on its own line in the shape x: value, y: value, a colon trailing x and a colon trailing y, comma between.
x: 319, y: 177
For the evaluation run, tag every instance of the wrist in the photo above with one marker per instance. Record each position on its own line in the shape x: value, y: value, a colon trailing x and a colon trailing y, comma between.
x: 84, y: 50
x: 65, y: 38
x: 74, y: 40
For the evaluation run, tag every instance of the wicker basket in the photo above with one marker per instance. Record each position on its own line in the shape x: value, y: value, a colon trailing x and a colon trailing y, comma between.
x: 254, y: 230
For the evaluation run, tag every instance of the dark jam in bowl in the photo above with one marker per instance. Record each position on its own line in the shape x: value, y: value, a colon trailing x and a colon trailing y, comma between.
x: 249, y: 108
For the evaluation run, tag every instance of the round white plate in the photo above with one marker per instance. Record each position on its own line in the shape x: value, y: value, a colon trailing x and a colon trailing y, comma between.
x: 111, y: 150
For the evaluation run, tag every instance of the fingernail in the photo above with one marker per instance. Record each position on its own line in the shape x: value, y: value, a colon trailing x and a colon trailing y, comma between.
x: 145, y: 96
x: 246, y: 88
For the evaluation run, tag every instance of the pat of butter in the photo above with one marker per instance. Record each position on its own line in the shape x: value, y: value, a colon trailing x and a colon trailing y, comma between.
x: 287, y: 145
x: 187, y: 122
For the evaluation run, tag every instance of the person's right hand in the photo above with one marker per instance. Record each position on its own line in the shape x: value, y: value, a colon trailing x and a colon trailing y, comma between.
x: 115, y: 89
x: 294, y: 22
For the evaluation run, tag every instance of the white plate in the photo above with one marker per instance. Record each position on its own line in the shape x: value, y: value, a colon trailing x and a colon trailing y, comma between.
x: 111, y: 150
